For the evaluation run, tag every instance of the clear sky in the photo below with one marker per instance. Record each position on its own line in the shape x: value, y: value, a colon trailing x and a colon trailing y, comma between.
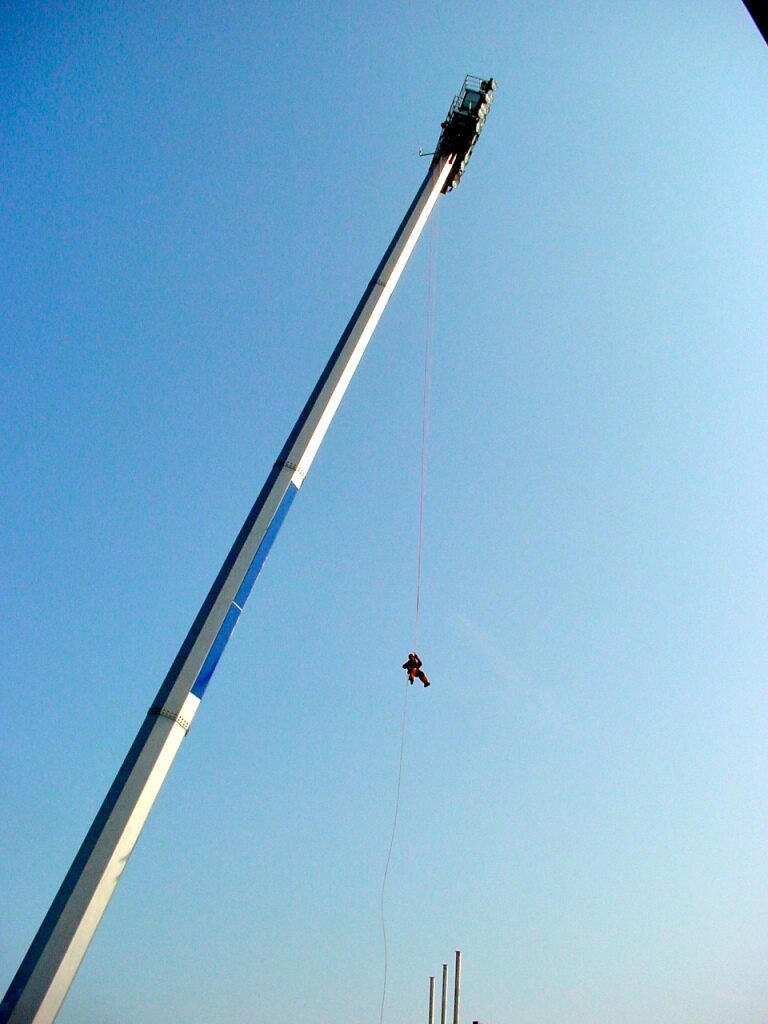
x: 194, y: 197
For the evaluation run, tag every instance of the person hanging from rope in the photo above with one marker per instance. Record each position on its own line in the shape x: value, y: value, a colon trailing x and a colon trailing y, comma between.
x: 414, y: 670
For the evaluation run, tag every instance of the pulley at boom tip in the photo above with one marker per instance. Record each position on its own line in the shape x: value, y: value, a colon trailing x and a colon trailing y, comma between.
x: 463, y: 124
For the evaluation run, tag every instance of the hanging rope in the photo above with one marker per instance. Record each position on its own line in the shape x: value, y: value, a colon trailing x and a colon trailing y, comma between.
x: 430, y: 334
x: 430, y: 331
x: 391, y: 845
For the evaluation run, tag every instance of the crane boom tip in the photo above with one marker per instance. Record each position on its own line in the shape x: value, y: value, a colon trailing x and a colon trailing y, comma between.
x: 463, y: 124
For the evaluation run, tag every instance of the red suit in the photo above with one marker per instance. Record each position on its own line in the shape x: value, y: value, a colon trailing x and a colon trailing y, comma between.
x: 413, y: 668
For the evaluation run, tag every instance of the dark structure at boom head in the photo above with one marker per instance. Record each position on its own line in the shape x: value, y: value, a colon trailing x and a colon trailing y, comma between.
x: 462, y: 126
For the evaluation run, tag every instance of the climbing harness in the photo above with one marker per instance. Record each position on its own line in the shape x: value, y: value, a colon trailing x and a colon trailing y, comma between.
x: 414, y: 669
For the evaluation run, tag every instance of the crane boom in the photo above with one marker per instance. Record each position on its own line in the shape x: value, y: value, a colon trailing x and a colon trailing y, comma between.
x: 49, y: 967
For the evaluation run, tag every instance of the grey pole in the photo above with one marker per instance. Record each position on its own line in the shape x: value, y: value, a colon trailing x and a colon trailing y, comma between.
x: 457, y: 987
x: 431, y: 1016
x: 444, y: 1005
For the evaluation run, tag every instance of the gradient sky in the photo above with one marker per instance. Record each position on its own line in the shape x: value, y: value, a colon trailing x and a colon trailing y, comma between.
x: 195, y: 196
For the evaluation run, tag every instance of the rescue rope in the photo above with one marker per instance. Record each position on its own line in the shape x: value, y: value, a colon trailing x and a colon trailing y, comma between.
x: 430, y: 334
x: 430, y: 331
x: 391, y: 846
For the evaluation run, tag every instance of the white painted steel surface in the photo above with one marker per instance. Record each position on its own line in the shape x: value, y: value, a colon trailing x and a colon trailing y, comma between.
x: 375, y: 304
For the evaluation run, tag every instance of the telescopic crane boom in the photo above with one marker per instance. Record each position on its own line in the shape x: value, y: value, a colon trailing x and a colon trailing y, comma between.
x: 47, y: 971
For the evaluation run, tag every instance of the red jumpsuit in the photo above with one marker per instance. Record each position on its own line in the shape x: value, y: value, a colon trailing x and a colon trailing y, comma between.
x: 413, y: 668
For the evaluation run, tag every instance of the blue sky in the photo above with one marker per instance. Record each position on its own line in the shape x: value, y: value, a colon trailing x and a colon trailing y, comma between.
x: 195, y: 197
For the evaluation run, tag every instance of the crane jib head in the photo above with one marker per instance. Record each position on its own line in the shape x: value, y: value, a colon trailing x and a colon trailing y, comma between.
x: 461, y: 128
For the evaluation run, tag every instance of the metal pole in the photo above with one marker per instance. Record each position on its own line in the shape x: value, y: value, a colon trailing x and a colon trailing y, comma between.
x: 444, y: 1006
x: 431, y: 1014
x: 47, y: 971
x: 457, y: 987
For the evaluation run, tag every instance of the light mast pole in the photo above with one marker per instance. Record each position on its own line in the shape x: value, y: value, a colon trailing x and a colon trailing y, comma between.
x: 49, y: 967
